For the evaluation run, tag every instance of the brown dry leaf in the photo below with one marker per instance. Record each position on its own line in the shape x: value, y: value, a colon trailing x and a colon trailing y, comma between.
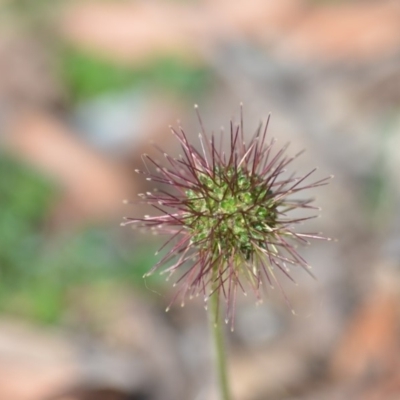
x: 262, y: 20
x: 130, y: 32
x: 33, y: 363
x: 370, y: 346
x: 360, y: 31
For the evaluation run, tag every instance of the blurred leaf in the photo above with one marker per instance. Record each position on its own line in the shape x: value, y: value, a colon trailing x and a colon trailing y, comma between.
x: 25, y: 199
x: 87, y: 76
x: 377, y: 186
x: 37, y: 271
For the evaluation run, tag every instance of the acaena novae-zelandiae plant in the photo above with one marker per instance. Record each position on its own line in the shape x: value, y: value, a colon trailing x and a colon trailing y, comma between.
x: 228, y: 215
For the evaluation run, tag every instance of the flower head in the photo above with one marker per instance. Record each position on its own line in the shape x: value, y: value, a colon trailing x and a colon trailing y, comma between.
x: 228, y: 214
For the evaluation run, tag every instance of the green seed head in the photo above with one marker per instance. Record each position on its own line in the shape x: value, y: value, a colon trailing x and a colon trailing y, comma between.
x: 228, y: 214
x: 233, y: 205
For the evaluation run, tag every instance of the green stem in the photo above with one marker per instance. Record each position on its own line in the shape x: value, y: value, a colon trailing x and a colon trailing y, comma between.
x: 219, y: 349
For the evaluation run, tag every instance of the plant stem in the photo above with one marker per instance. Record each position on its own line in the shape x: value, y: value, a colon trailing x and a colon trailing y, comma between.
x: 219, y: 349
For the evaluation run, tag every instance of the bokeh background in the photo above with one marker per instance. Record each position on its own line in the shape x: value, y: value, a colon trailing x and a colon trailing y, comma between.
x: 85, y: 86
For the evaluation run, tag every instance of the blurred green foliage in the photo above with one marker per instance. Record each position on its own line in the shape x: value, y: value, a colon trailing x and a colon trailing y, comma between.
x: 38, y: 268
x: 24, y: 201
x: 86, y: 75
x: 27, y: 7
x: 378, y: 196
x: 33, y: 15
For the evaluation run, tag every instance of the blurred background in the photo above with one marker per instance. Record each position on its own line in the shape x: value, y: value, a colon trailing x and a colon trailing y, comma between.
x: 85, y: 86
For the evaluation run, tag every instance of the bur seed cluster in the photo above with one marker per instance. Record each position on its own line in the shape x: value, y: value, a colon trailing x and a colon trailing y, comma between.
x: 235, y: 207
x: 228, y: 214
